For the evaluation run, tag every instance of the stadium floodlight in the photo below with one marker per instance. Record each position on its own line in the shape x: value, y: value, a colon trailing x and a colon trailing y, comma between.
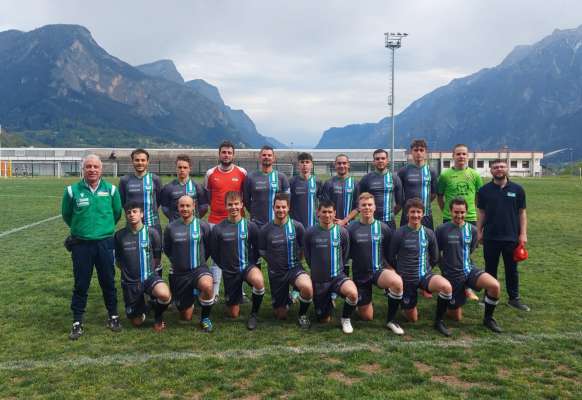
x: 392, y: 41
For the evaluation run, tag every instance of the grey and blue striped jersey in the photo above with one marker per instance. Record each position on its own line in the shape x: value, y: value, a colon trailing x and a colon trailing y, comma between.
x: 305, y: 194
x: 259, y: 191
x: 387, y: 191
x: 136, y: 252
x: 343, y: 193
x: 145, y: 191
x: 281, y: 245
x: 419, y: 182
x: 235, y: 246
x: 187, y: 245
x: 456, y: 245
x: 369, y: 245
x: 326, y: 251
x: 413, y: 252
x: 171, y: 193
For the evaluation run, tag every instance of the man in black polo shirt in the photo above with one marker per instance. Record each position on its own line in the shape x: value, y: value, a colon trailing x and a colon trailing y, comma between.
x: 502, y: 225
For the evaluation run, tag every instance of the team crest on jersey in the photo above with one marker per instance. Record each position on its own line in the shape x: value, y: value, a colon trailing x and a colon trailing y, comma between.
x: 423, y: 242
x: 190, y: 193
x: 83, y: 201
x: 376, y: 237
x: 195, y: 235
x: 510, y: 194
x: 335, y: 242
x: 243, y: 235
x: 274, y: 184
x: 103, y: 194
x: 143, y: 244
x: 147, y: 186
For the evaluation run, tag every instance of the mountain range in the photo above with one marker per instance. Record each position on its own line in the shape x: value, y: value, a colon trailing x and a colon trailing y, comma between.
x: 58, y: 87
x: 532, y: 100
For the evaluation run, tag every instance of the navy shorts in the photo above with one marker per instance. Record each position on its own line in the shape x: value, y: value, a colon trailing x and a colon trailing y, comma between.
x: 364, y: 285
x: 322, y: 294
x: 233, y: 285
x: 184, y: 285
x: 459, y: 285
x: 410, y: 297
x: 133, y: 295
x: 280, y: 282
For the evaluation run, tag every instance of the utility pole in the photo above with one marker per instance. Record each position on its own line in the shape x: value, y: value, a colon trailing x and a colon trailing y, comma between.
x: 392, y: 41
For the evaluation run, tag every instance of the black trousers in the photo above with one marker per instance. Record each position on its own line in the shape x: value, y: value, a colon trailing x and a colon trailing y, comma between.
x: 86, y: 254
x: 492, y: 249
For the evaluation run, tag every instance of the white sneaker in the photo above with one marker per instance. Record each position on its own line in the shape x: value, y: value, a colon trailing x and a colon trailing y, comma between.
x: 395, y: 328
x: 347, y: 325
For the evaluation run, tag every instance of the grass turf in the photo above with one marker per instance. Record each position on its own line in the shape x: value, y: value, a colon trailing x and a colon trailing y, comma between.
x: 537, y: 356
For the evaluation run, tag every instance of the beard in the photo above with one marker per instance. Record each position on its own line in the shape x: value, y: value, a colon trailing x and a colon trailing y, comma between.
x: 226, y: 163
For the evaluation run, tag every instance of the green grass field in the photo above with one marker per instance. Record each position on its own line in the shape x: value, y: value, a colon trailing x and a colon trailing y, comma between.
x: 539, y: 355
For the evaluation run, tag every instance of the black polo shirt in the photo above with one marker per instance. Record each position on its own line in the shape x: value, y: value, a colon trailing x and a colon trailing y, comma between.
x: 501, y: 206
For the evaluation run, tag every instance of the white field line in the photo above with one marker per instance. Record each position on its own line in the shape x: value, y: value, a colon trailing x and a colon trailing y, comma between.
x: 11, y: 231
x: 140, y: 358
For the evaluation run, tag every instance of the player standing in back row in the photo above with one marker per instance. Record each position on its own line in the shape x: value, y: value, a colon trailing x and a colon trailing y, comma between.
x: 225, y: 177
x: 261, y: 186
x: 386, y: 188
x: 183, y: 185
x: 419, y: 180
x: 342, y: 191
x: 144, y: 188
x: 305, y: 192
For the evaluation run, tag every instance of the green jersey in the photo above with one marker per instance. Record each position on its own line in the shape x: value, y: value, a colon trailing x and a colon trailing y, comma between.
x: 91, y: 214
x: 460, y: 183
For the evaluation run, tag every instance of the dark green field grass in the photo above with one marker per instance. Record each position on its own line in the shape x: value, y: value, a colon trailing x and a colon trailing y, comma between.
x: 539, y: 355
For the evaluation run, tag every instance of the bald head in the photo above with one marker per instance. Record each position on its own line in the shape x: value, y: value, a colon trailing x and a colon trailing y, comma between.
x: 186, y: 207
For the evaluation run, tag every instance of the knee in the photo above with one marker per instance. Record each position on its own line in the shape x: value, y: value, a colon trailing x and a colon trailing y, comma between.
x: 281, y: 314
x: 136, y: 322
x: 366, y: 314
x: 306, y: 292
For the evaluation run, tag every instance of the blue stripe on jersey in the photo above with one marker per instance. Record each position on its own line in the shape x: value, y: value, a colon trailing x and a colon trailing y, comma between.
x: 144, y: 259
x: 190, y: 189
x: 194, y: 242
x: 311, y: 195
x: 148, y: 187
x: 273, y: 188
x: 387, y: 196
x: 425, y: 187
x: 376, y: 239
x: 290, y: 237
x: 466, y: 245
x: 242, y: 237
x: 335, y: 249
x: 348, y: 194
x: 422, y: 252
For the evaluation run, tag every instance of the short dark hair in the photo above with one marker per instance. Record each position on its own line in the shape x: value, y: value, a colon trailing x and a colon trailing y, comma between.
x: 232, y: 195
x: 418, y: 143
x: 226, y: 143
x: 140, y: 151
x: 497, y: 161
x: 267, y: 147
x: 304, y: 156
x: 282, y: 197
x: 460, y: 145
x: 183, y: 157
x: 326, y: 204
x: 342, y: 155
x: 378, y: 151
x: 130, y: 205
x: 415, y: 202
x: 458, y: 201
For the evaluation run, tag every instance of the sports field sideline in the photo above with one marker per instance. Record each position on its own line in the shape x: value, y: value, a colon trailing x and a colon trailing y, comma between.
x: 539, y: 355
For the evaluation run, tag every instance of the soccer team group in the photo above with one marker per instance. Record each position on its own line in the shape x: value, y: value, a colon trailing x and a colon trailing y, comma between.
x: 292, y: 220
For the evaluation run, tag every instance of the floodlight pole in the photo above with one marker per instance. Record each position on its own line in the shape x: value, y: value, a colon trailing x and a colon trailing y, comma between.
x: 392, y: 41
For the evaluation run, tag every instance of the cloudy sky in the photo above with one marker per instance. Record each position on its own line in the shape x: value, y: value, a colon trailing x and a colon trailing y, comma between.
x: 300, y: 67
